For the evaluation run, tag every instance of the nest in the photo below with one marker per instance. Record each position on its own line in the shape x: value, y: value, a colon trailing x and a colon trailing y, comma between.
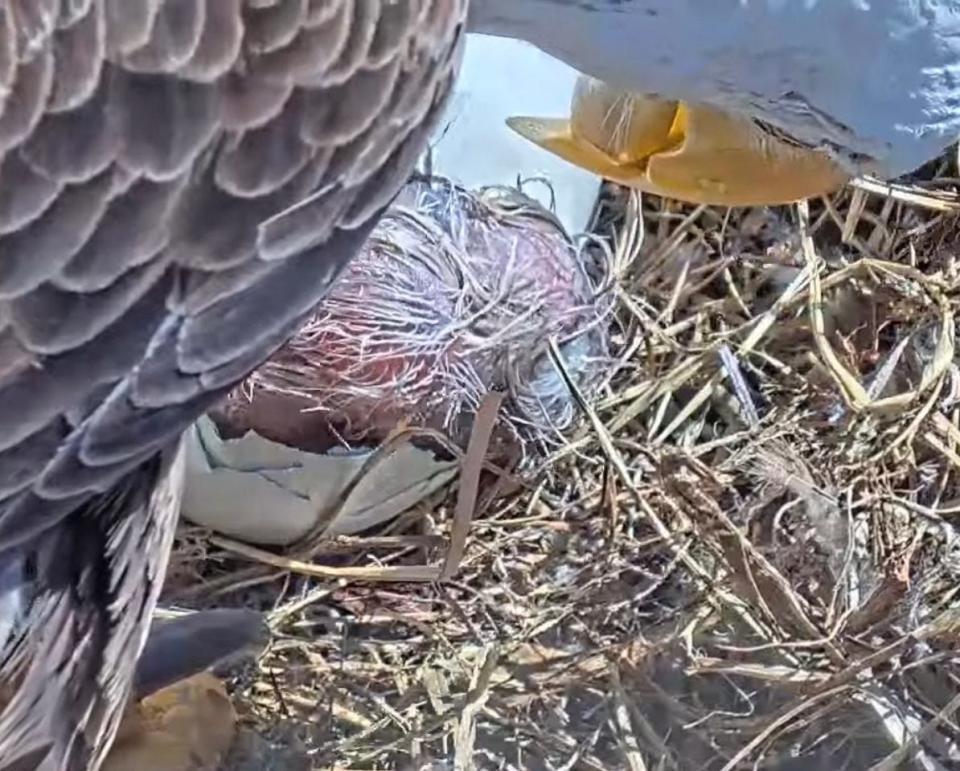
x: 744, y: 557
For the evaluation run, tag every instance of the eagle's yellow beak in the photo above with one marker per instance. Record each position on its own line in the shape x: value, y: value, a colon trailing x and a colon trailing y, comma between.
x: 691, y: 152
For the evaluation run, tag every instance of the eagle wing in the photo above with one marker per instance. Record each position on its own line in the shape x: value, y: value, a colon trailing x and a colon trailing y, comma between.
x: 180, y: 182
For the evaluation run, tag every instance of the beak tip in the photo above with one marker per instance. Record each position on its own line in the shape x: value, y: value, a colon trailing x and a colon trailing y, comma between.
x: 523, y: 125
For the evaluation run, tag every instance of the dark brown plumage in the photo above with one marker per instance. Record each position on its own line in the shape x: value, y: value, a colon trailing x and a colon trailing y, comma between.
x: 180, y: 182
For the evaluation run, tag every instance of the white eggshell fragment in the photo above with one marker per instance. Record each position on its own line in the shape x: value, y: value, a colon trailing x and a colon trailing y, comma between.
x: 264, y: 492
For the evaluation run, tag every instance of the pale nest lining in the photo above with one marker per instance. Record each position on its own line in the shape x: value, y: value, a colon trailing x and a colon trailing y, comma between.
x: 455, y: 294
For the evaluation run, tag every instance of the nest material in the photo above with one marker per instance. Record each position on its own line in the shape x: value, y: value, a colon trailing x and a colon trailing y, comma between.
x: 742, y: 563
x: 455, y: 294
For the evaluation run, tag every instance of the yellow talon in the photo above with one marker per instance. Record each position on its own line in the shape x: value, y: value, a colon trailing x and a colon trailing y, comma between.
x: 188, y: 726
x: 692, y: 152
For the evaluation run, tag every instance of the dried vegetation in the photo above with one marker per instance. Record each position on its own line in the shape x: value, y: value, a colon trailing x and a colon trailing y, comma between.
x: 746, y: 557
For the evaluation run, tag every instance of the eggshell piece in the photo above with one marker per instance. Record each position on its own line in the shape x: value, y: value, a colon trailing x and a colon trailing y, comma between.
x: 264, y: 492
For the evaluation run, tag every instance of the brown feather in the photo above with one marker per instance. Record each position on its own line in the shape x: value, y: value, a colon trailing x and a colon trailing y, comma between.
x: 51, y: 321
x: 23, y: 107
x: 22, y: 464
x: 165, y: 122
x: 337, y: 115
x: 36, y: 395
x: 174, y: 37
x: 34, y: 22
x: 76, y: 145
x: 275, y: 26
x: 219, y: 45
x: 129, y: 23
x: 355, y: 51
x: 310, y: 53
x: 132, y: 231
x: 320, y: 11
x: 79, y: 57
x: 179, y: 186
x: 72, y: 12
x: 8, y: 52
x: 264, y: 159
x: 248, y: 102
x: 391, y: 33
x: 25, y: 193
x: 37, y: 252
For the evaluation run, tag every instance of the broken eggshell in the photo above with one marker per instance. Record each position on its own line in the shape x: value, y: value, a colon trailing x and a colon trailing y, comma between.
x: 455, y: 294
x: 266, y: 492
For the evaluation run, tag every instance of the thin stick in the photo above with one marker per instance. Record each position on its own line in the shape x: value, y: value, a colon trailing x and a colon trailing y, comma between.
x: 470, y: 469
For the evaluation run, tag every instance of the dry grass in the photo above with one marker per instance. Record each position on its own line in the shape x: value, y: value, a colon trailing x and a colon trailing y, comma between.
x: 746, y: 558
